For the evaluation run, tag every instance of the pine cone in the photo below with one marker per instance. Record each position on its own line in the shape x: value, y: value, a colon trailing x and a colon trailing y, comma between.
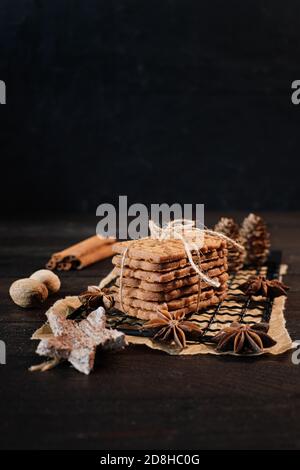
x: 235, y: 257
x: 256, y: 240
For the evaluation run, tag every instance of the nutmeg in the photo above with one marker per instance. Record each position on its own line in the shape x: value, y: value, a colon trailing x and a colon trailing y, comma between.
x: 28, y: 292
x: 51, y: 280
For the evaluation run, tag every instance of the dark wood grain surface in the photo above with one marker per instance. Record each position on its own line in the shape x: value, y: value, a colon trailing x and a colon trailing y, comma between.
x: 139, y: 398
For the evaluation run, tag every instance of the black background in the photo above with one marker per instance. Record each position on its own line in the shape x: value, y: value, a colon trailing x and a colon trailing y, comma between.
x: 164, y: 101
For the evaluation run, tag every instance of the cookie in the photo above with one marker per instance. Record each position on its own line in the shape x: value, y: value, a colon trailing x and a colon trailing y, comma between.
x: 171, y: 285
x: 171, y: 305
x: 151, y: 276
x: 144, y: 314
x: 169, y: 266
x: 206, y: 292
x: 141, y: 294
x: 159, y: 286
x: 162, y: 251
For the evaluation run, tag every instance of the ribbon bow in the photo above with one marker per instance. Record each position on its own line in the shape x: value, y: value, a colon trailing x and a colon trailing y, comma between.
x: 192, y: 238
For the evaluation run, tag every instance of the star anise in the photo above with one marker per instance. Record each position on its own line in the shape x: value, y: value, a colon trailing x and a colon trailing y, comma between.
x: 172, y: 327
x: 241, y: 338
x: 95, y: 297
x: 259, y: 285
x: 91, y: 299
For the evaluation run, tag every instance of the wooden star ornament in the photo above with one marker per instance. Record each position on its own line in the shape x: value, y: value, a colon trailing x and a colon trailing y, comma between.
x: 77, y: 342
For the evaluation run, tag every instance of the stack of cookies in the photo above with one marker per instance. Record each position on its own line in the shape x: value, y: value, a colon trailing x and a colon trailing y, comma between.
x: 157, y: 274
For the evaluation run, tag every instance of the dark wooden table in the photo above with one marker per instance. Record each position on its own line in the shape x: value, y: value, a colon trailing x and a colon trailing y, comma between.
x: 138, y: 398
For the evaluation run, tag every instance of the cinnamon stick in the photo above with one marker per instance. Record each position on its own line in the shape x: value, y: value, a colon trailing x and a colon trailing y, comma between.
x: 82, y: 254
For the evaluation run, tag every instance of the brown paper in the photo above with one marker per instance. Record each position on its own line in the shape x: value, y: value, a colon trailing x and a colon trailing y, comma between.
x: 277, y: 331
x: 277, y: 327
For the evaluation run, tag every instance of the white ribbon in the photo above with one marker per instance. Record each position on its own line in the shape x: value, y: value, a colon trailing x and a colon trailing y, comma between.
x: 192, y: 238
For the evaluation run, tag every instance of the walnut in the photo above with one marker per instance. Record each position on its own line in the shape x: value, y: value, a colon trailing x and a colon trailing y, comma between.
x: 28, y: 292
x: 48, y: 278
